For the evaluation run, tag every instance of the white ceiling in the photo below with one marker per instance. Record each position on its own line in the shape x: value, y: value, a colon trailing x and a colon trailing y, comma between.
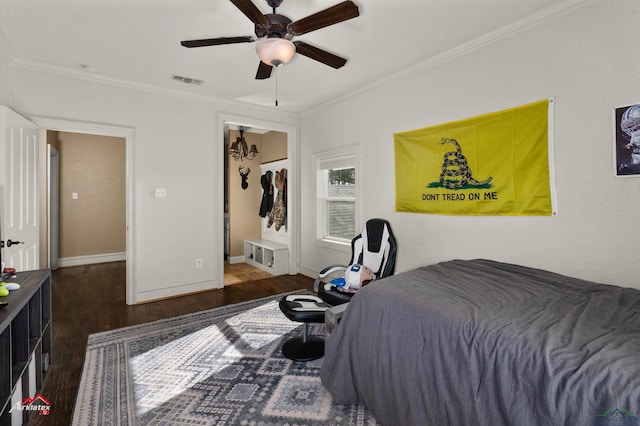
x: 138, y: 42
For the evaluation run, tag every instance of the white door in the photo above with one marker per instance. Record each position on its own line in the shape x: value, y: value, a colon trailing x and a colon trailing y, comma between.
x: 54, y: 181
x: 19, y: 190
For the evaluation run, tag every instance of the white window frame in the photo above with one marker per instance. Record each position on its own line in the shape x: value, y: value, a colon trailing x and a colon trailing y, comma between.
x: 322, y: 162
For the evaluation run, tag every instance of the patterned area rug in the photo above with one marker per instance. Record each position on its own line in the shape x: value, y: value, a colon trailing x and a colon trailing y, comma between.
x: 222, y: 366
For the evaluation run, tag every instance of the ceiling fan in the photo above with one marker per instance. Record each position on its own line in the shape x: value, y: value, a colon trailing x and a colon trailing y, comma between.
x: 274, y: 33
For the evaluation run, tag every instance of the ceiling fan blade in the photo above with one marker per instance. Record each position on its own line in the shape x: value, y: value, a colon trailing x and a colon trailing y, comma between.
x: 251, y: 11
x: 319, y: 55
x: 264, y: 71
x: 217, y: 41
x: 338, y: 13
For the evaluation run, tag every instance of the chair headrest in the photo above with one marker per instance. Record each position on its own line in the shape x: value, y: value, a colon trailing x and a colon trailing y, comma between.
x: 375, y: 234
x: 375, y: 247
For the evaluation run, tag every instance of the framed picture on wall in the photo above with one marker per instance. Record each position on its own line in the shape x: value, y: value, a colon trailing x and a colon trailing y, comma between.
x: 626, y: 130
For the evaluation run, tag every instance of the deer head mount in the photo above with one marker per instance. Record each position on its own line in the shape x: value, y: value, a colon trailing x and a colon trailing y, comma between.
x: 244, y: 173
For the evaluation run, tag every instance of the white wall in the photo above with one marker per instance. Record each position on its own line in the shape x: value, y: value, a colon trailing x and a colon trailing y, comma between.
x: 176, y: 146
x: 585, y: 60
x: 5, y: 55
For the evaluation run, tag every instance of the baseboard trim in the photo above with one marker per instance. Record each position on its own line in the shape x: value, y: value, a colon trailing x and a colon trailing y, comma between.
x: 236, y: 259
x: 307, y: 272
x: 88, y: 260
x: 177, y: 290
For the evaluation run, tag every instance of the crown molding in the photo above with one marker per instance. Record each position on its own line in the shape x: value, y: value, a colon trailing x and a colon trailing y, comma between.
x: 515, y: 27
x: 40, y: 66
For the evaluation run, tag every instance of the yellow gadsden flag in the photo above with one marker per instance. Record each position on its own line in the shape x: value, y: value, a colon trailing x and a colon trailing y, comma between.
x: 493, y: 164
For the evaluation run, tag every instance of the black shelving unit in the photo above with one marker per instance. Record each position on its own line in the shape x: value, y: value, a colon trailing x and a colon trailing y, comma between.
x: 25, y: 344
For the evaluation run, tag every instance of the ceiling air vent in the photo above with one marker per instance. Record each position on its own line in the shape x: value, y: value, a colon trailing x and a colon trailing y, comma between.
x: 187, y: 80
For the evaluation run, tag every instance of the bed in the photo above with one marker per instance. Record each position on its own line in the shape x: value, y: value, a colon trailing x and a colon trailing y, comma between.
x: 487, y: 343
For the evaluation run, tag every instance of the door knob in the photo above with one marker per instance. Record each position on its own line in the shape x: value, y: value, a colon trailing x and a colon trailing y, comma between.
x: 10, y: 243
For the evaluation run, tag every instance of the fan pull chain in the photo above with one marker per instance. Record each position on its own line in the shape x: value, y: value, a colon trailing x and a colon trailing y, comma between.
x: 276, y: 86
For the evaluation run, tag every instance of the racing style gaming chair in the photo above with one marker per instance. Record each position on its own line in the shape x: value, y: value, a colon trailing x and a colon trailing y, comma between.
x: 375, y: 247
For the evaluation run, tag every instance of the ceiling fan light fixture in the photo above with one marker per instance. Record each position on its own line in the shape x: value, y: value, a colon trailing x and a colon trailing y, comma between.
x: 275, y: 51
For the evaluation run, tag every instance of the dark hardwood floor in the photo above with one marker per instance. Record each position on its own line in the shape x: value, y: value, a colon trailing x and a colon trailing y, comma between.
x: 90, y: 299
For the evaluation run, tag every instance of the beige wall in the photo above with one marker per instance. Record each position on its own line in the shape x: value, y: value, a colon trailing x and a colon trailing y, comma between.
x: 274, y: 146
x: 94, y: 168
x: 244, y: 205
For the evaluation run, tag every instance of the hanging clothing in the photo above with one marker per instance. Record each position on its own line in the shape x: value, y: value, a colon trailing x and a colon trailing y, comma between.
x: 267, y: 193
x: 278, y: 215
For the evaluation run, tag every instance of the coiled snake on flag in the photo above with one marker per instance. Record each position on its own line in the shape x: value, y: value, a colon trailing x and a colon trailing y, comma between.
x: 455, y: 170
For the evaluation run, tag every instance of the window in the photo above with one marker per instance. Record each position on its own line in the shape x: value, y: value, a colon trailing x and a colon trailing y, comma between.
x: 340, y: 203
x: 337, y: 216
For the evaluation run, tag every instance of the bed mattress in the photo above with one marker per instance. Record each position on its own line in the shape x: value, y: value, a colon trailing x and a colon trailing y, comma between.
x: 487, y: 343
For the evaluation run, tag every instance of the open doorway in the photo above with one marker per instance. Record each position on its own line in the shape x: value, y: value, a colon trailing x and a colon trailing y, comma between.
x: 243, y: 192
x: 248, y: 151
x: 124, y: 136
x: 87, y: 199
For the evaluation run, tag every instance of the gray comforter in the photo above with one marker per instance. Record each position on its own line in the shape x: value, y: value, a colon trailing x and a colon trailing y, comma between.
x: 487, y: 343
